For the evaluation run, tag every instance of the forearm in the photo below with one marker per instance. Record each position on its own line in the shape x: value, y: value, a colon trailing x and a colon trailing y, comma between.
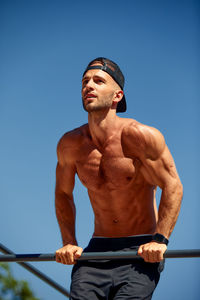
x: 66, y: 213
x: 169, y: 208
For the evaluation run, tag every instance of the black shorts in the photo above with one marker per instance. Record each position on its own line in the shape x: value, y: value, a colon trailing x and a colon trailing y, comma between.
x: 115, y: 279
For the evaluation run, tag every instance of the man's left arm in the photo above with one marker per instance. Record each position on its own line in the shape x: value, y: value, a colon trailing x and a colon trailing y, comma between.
x: 159, y: 169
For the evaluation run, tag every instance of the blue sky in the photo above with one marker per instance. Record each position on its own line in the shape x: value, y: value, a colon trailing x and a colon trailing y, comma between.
x: 45, y: 47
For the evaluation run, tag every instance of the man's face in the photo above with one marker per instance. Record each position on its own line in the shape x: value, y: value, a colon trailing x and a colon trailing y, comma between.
x: 98, y: 90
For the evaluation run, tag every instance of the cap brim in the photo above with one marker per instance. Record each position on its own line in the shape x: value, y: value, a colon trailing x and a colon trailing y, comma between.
x: 121, y: 106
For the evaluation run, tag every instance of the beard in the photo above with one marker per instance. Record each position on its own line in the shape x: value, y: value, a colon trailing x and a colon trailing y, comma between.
x: 97, y: 106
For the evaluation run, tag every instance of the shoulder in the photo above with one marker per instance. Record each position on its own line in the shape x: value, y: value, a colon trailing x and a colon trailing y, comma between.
x: 70, y: 143
x: 144, y: 140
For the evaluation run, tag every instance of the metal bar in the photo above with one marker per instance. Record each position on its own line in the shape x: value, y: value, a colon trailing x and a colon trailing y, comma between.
x: 27, y: 257
x: 33, y: 270
x: 134, y: 255
x: 98, y: 255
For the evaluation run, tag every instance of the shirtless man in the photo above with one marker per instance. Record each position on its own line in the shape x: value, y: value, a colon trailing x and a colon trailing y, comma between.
x: 120, y: 162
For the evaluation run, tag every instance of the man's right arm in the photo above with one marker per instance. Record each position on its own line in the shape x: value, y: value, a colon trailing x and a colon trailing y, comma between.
x: 64, y: 204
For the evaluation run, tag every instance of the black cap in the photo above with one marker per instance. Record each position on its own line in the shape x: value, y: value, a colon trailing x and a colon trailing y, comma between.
x: 114, y: 71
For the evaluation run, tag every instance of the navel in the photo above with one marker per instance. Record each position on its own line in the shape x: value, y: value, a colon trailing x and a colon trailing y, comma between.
x: 115, y: 221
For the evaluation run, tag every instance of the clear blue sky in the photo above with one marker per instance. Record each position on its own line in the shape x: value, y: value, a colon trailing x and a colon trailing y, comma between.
x: 45, y: 46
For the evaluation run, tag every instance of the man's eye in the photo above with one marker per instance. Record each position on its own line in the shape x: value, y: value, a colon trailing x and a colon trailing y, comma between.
x: 99, y: 81
x: 84, y: 82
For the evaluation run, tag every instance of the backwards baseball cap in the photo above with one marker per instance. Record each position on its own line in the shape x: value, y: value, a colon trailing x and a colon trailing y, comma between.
x: 114, y: 71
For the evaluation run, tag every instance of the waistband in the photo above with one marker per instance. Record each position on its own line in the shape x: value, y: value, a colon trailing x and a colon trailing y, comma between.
x: 98, y: 244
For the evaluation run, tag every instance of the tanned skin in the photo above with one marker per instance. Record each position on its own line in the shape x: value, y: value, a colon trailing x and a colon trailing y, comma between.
x: 121, y: 162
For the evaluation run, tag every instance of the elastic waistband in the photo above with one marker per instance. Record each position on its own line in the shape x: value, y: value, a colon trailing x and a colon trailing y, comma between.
x: 98, y: 244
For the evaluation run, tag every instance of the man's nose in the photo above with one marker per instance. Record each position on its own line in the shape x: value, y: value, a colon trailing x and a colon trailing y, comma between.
x: 90, y: 84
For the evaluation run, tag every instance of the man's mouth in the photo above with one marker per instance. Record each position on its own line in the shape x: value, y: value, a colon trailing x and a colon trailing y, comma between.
x: 89, y: 96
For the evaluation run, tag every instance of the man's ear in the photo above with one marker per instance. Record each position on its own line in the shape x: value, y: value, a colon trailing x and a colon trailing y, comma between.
x: 118, y: 96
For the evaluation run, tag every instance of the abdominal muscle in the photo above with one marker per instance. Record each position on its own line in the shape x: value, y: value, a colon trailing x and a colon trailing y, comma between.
x: 121, y: 213
x: 123, y: 201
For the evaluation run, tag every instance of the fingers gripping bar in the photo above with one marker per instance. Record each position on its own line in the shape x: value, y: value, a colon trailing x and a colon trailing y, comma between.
x: 98, y: 255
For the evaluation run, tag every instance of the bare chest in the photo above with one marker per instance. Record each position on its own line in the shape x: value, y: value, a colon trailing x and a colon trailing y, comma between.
x: 107, y: 170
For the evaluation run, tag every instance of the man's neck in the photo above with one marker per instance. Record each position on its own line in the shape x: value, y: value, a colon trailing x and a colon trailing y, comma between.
x: 102, y: 125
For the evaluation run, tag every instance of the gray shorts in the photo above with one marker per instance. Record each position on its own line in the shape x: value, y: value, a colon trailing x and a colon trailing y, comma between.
x: 115, y: 279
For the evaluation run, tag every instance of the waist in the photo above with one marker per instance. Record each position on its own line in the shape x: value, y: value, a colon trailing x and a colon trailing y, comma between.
x: 103, y: 244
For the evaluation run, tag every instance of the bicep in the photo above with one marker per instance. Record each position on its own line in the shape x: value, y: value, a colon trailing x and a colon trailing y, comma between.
x: 161, y: 171
x: 65, y: 178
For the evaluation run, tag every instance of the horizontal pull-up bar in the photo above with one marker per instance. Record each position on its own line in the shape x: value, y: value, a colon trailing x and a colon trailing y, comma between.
x: 98, y: 255
x: 33, y: 270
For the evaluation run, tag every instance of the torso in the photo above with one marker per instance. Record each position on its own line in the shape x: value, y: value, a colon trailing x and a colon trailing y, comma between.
x: 122, y: 200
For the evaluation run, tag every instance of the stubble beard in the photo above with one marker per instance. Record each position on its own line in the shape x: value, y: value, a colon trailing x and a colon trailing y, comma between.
x: 95, y: 107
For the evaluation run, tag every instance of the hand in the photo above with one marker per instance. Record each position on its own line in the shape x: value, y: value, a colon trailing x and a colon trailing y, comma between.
x: 152, y: 252
x: 68, y: 254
